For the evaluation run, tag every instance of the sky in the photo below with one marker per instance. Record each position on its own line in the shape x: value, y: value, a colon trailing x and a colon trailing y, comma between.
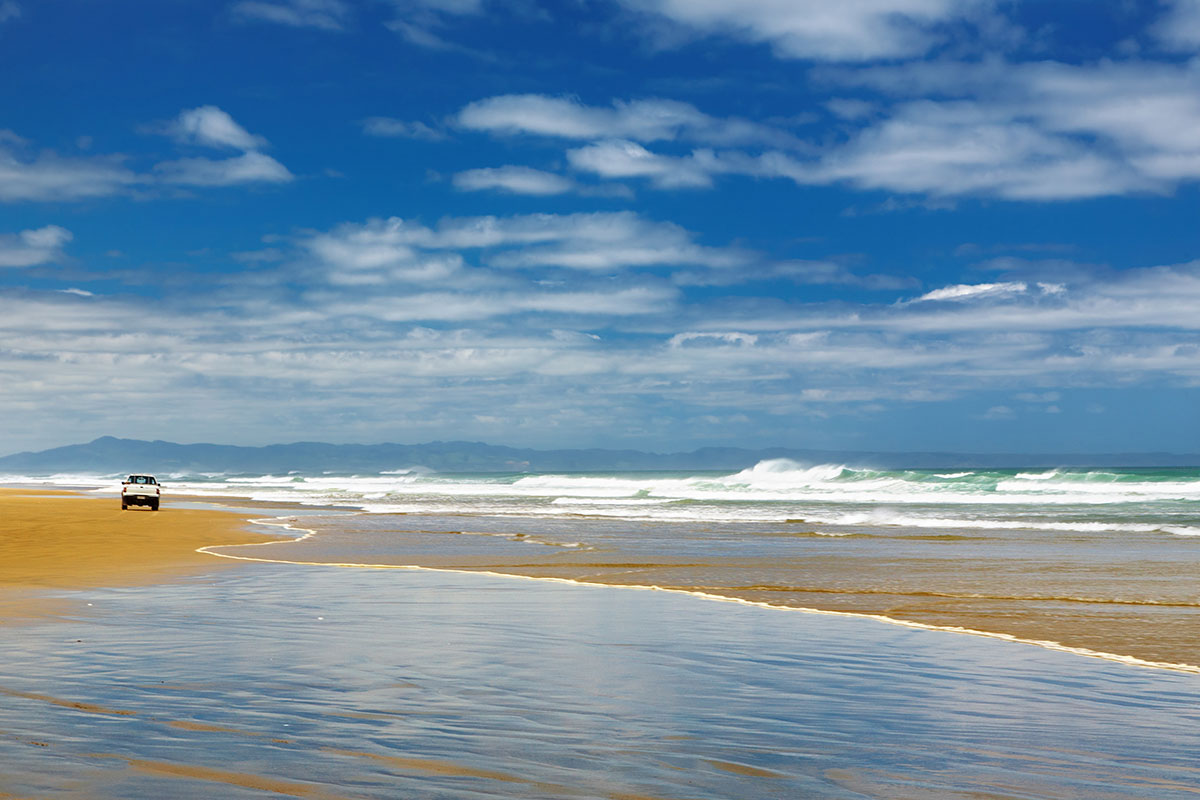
x: 882, y: 225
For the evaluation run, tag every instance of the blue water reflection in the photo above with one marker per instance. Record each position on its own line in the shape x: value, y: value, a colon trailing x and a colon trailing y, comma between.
x: 274, y: 680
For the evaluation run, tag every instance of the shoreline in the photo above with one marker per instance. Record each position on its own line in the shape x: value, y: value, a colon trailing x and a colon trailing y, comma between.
x: 1046, y: 644
x: 155, y: 547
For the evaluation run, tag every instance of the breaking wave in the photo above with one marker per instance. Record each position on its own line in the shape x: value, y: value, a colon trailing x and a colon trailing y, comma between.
x: 1130, y: 501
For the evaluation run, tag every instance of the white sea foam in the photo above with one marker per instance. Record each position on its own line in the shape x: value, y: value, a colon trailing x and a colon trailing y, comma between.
x: 771, y: 491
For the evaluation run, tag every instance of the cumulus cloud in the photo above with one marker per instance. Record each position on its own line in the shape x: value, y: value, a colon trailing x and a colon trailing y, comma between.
x: 820, y: 30
x: 329, y: 15
x: 624, y: 159
x: 32, y: 247
x: 210, y: 126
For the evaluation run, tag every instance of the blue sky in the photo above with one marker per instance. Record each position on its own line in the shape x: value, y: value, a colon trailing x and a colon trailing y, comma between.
x: 661, y: 224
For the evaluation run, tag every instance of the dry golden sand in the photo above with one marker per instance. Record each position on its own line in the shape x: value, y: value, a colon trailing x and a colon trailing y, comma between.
x: 56, y: 540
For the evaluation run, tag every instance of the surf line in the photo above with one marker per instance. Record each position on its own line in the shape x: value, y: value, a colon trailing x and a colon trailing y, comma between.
x: 284, y: 522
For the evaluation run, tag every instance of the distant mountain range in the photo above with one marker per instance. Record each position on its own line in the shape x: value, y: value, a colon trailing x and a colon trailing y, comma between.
x: 109, y: 455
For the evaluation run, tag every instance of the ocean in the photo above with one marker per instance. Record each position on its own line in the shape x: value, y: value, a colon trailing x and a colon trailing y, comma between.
x: 834, y: 496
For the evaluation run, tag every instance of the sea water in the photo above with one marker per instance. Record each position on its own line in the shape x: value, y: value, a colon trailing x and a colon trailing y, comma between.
x: 1111, y: 500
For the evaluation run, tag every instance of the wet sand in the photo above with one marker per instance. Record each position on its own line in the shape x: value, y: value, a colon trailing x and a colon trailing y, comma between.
x: 58, y: 540
x: 322, y: 682
x: 1133, y: 603
x: 1134, y: 599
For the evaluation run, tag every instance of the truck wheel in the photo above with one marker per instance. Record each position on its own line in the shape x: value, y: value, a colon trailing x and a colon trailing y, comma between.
x: 154, y: 505
x: 124, y: 505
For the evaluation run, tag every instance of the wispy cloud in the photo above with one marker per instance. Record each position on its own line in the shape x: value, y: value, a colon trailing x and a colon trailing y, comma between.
x: 589, y: 242
x: 49, y: 177
x: 1042, y: 131
x: 46, y: 176
x: 1179, y: 28
x: 9, y: 10
x: 331, y: 15
x: 973, y: 291
x: 514, y: 179
x: 399, y: 129
x: 820, y: 30
x: 635, y: 120
x: 246, y: 168
x: 416, y: 21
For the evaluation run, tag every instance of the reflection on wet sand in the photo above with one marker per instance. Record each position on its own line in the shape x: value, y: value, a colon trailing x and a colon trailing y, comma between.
x: 338, y: 683
x: 1135, y: 598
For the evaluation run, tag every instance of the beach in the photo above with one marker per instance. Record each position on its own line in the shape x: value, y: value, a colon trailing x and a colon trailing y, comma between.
x: 158, y: 671
x: 60, y: 540
x: 1104, y: 560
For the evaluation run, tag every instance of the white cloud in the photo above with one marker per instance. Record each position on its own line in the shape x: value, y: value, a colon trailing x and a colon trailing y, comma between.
x: 416, y: 20
x: 50, y: 178
x: 1179, y: 28
x: 862, y: 30
x: 249, y: 167
x: 9, y: 10
x: 692, y: 337
x: 478, y: 339
x: 211, y: 127
x: 973, y: 291
x: 1040, y: 131
x: 635, y: 120
x: 944, y: 149
x: 32, y: 247
x: 624, y: 159
x: 591, y: 242
x: 1045, y: 397
x: 513, y: 179
x: 999, y: 412
x: 324, y: 14
x: 471, y: 306
x: 395, y: 128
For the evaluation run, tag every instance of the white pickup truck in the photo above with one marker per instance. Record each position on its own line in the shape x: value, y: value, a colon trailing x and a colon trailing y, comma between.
x: 140, y: 490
